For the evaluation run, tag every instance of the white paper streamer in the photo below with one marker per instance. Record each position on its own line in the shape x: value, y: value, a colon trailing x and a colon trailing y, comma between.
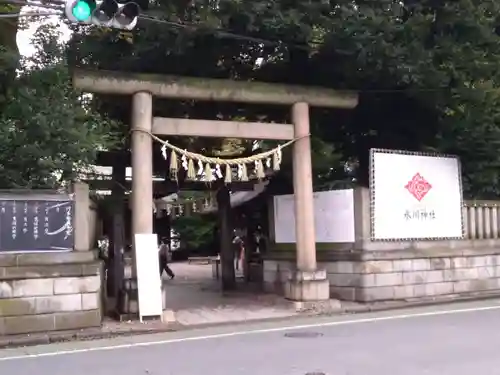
x: 218, y: 172
x: 164, y: 151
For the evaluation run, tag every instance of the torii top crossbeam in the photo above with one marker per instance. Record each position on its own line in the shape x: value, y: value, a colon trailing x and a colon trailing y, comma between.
x: 223, y: 90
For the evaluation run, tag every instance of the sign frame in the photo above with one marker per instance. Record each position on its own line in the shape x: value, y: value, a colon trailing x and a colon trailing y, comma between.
x: 45, y: 196
x: 372, y: 189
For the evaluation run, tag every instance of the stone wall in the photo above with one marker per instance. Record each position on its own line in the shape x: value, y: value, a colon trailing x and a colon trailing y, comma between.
x: 421, y: 271
x: 367, y: 270
x: 408, y: 276
x: 49, y: 291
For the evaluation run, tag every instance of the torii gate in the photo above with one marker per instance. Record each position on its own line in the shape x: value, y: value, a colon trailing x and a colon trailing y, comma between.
x: 307, y: 283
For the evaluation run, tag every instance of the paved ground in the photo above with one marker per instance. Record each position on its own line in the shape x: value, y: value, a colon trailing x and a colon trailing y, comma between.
x: 196, y: 299
x: 459, y: 339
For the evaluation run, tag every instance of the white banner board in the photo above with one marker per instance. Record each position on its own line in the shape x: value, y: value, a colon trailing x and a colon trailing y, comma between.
x: 148, y: 275
x: 415, y: 196
x: 333, y: 217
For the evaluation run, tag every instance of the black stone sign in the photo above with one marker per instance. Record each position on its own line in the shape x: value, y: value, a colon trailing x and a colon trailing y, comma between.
x: 36, y: 225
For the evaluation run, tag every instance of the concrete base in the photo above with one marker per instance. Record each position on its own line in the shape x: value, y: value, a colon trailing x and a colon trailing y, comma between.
x: 169, y: 316
x: 129, y: 305
x: 331, y: 306
x: 308, y: 286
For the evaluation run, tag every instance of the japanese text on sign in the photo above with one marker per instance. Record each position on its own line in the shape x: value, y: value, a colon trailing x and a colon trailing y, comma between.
x: 14, y: 221
x: 420, y: 215
x: 25, y: 218
x: 32, y: 225
x: 35, y: 221
x: 46, y: 218
x: 69, y: 225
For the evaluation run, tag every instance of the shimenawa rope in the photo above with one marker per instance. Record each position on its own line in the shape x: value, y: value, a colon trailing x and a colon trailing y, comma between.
x: 273, y: 159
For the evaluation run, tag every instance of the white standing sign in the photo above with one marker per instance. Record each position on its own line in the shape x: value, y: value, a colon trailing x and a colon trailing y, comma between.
x: 415, y: 196
x: 333, y: 217
x: 148, y: 275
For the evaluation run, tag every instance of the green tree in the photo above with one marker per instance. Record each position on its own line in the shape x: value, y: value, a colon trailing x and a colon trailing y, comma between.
x: 428, y: 75
x: 421, y: 68
x: 194, y: 231
x: 9, y: 54
x: 49, y: 133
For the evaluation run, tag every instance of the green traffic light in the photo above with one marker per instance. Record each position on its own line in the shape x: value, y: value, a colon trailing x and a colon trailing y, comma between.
x: 81, y: 11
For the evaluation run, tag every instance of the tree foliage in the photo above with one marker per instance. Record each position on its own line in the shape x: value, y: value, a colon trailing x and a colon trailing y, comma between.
x: 194, y: 231
x: 8, y: 48
x: 426, y: 72
x: 48, y: 131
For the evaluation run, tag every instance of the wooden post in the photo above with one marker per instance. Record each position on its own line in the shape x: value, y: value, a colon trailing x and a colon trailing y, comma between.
x: 225, y: 235
x: 117, y: 238
x: 249, y: 251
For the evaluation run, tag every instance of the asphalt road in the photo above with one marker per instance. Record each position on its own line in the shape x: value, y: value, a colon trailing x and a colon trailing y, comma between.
x: 458, y: 339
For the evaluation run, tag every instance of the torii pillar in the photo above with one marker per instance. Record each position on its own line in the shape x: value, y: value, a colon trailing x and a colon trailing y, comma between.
x: 307, y: 283
x: 142, y: 163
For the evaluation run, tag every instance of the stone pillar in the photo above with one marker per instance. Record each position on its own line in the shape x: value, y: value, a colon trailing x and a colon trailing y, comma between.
x: 362, y: 219
x: 363, y: 223
x: 303, y: 190
x: 142, y: 164
x: 81, y: 221
x: 307, y: 283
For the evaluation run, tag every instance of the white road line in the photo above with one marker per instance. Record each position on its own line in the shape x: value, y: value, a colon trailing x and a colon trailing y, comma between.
x: 251, y: 332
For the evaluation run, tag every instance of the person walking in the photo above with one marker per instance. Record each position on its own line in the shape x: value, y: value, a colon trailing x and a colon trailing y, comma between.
x: 165, y: 258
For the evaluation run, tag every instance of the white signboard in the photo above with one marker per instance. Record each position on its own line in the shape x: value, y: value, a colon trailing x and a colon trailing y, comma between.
x: 333, y: 217
x: 148, y: 275
x: 415, y: 196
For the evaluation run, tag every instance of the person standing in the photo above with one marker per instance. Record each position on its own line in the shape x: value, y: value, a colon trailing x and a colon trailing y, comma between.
x: 260, y: 241
x: 238, y: 245
x: 165, y: 258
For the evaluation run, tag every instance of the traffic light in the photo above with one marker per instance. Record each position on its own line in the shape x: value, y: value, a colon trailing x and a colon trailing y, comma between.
x: 108, y: 13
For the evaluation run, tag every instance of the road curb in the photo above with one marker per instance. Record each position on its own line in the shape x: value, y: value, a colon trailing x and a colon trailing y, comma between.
x: 412, y: 304
x: 95, y: 334
x: 58, y: 337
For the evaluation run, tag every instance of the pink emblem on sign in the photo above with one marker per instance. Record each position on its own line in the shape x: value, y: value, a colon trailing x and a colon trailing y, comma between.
x: 418, y: 187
